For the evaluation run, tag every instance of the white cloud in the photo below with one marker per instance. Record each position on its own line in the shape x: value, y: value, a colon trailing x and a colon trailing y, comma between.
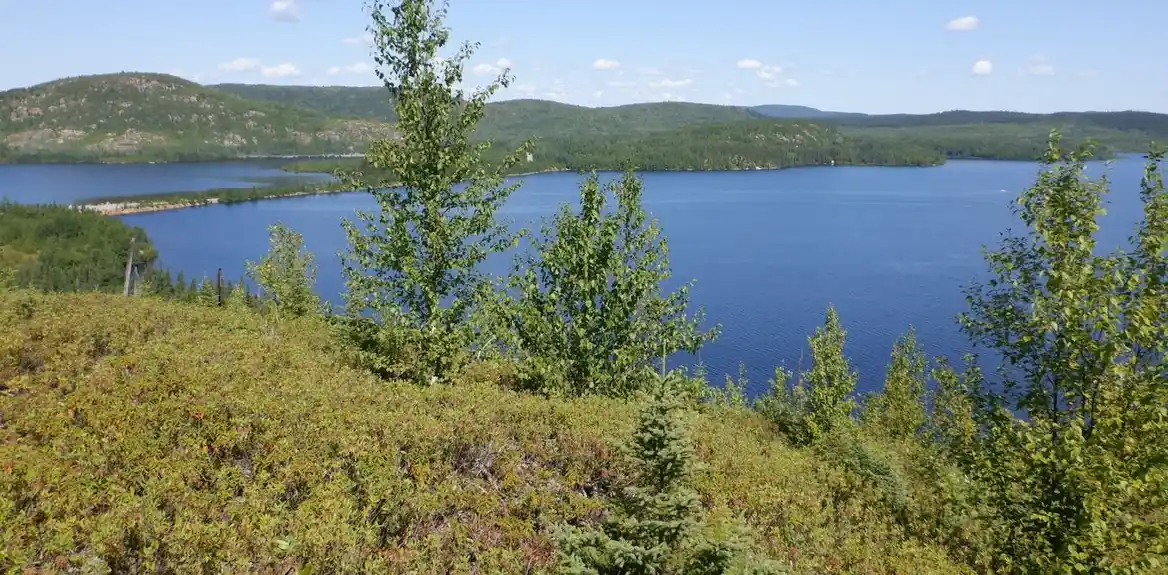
x: 363, y: 38
x: 793, y: 83
x: 983, y: 68
x: 963, y: 23
x: 284, y: 10
x: 598, y: 94
x: 524, y: 89
x: 765, y: 72
x: 485, y: 69
x: 240, y: 65
x: 769, y: 72
x: 1039, y: 66
x: 667, y: 83
x: 358, y: 68
x: 602, y: 64
x: 280, y: 70
x: 620, y: 84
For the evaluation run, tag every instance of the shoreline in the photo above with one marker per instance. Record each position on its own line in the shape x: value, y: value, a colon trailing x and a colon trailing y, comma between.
x: 131, y: 207
x: 127, y: 206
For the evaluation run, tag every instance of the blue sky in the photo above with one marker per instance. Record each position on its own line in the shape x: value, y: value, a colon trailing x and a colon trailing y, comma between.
x: 865, y: 56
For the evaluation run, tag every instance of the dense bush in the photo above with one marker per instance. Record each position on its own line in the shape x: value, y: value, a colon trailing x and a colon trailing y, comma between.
x: 146, y: 435
x: 1061, y: 465
x: 589, y: 315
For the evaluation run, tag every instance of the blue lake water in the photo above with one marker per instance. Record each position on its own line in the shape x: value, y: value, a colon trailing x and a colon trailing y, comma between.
x: 769, y: 250
x: 70, y: 183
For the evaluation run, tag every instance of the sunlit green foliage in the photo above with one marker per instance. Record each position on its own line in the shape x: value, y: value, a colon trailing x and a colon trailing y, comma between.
x: 414, y: 262
x: 1061, y: 467
x: 589, y: 314
x: 831, y: 381
x: 819, y: 401
x: 1082, y: 482
x: 142, y: 435
x: 286, y: 275
x: 899, y: 409
x: 205, y: 439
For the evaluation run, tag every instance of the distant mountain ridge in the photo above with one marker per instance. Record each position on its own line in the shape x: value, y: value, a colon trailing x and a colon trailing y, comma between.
x: 143, y: 116
x: 509, y: 118
x: 800, y: 112
x: 164, y: 117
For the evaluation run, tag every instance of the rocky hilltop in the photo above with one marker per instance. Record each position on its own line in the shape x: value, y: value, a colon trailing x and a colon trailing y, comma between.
x: 158, y: 116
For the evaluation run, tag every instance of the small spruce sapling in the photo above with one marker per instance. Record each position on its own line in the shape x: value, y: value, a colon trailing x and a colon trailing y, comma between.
x: 658, y: 525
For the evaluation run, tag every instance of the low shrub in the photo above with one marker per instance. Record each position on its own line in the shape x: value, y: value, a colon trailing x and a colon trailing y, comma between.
x: 143, y: 435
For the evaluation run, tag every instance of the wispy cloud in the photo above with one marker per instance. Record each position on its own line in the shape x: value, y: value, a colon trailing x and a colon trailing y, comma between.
x: 240, y: 65
x: 963, y: 23
x: 284, y: 10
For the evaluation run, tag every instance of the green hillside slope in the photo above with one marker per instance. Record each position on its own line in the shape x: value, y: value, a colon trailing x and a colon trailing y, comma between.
x: 156, y: 116
x: 959, y: 134
x: 735, y: 146
x: 139, y: 117
x: 508, y: 119
x: 215, y: 440
x: 1148, y: 122
x: 368, y: 102
x: 998, y: 141
x: 516, y: 119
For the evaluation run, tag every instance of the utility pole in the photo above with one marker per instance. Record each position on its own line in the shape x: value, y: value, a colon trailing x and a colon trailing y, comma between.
x: 219, y: 289
x: 129, y: 268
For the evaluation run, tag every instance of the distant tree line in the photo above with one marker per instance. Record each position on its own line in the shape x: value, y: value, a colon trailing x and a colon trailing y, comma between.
x: 59, y: 249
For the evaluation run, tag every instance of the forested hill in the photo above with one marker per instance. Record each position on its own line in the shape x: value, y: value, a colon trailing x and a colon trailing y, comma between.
x: 507, y: 119
x: 369, y: 102
x: 157, y: 117
x: 1152, y: 124
x: 744, y: 145
x: 140, y: 116
x: 511, y: 119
